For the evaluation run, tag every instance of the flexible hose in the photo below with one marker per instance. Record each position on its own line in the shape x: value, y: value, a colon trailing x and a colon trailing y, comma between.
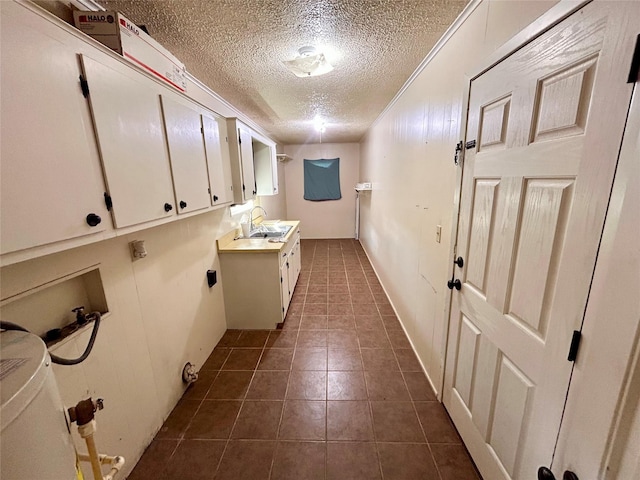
x: 55, y: 358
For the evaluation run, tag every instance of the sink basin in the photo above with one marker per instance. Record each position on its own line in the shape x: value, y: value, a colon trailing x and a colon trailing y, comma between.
x: 270, y: 231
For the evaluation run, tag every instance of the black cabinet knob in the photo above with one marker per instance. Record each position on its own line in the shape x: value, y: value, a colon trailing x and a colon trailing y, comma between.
x: 93, y: 219
x: 454, y: 283
x: 168, y: 207
x: 215, y: 198
x: 183, y: 204
x: 459, y: 262
x: 545, y: 474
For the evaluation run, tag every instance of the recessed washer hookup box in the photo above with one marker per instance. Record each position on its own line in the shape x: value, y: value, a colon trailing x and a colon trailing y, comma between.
x: 115, y: 31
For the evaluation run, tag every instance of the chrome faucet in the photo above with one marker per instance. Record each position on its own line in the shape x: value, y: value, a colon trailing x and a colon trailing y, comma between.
x: 264, y: 213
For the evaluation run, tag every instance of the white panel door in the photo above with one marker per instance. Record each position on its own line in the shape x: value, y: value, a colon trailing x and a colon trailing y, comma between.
x: 547, y: 122
x: 187, y: 155
x: 246, y: 154
x: 128, y: 123
x: 217, y: 162
x: 51, y: 178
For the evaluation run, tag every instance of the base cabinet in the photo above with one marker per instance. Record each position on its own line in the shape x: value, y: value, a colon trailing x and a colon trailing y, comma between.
x: 258, y: 285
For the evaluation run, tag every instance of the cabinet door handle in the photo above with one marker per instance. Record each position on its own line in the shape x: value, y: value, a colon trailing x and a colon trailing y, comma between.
x: 168, y: 207
x: 215, y: 198
x: 183, y: 204
x: 93, y: 219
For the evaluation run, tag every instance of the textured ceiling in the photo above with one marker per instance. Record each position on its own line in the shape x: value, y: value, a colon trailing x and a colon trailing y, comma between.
x: 236, y: 47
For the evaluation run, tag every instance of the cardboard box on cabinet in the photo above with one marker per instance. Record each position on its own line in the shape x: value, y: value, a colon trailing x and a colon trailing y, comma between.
x: 118, y: 33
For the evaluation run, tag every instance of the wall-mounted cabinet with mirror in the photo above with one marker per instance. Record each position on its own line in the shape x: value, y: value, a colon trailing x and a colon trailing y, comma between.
x: 253, y: 162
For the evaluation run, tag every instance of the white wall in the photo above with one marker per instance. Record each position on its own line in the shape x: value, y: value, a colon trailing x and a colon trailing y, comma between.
x: 328, y: 219
x: 162, y: 314
x: 276, y: 205
x: 408, y: 155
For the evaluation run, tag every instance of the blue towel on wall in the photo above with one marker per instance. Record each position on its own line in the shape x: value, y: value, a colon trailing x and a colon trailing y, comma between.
x: 322, y: 179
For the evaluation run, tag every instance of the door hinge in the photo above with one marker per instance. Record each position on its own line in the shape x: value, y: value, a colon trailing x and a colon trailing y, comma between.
x: 634, y: 72
x: 107, y: 201
x: 84, y: 86
x: 456, y: 157
x: 202, y: 130
x: 575, y: 345
x: 280, y: 279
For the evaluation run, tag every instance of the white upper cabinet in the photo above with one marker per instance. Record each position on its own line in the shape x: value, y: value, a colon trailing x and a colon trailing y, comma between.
x: 241, y: 156
x: 253, y: 162
x: 246, y: 155
x: 187, y: 154
x: 265, y: 166
x: 215, y: 141
x: 50, y: 171
x: 128, y: 124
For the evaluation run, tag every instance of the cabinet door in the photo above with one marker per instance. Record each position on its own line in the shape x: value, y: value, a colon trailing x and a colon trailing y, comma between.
x: 297, y: 264
x: 284, y: 287
x: 128, y: 123
x: 266, y: 168
x: 186, y: 152
x: 217, y: 162
x: 50, y: 170
x: 246, y: 154
x: 273, y: 160
x: 292, y: 269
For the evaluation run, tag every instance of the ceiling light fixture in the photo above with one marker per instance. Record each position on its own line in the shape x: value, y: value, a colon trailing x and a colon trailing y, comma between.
x: 308, y: 63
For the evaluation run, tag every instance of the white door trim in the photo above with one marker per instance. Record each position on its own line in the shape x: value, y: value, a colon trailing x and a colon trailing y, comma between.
x: 607, y: 362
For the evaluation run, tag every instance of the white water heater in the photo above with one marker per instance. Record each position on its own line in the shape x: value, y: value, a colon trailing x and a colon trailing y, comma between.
x: 35, y: 442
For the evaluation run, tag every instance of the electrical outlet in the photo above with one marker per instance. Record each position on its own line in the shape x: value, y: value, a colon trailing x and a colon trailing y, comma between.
x: 438, y: 233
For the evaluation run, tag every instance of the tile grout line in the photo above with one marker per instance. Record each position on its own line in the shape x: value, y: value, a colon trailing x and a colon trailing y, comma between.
x: 366, y: 386
x: 284, y: 400
x: 413, y: 404
x: 228, y: 440
x: 181, y: 438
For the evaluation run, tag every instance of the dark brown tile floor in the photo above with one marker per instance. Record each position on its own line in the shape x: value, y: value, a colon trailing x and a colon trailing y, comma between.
x: 336, y: 394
